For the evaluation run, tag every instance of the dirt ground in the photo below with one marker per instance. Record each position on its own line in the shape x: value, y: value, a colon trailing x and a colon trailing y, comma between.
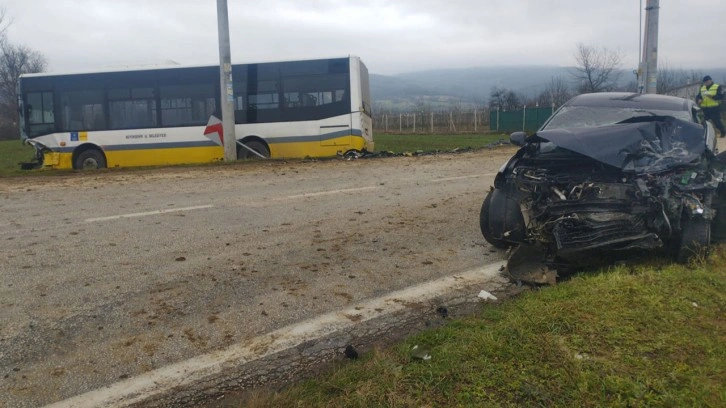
x: 112, y: 274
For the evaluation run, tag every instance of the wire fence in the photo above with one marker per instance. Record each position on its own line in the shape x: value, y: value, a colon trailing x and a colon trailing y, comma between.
x: 461, y: 121
x: 432, y: 122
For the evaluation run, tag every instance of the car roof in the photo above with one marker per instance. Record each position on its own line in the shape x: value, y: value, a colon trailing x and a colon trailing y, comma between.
x: 631, y: 100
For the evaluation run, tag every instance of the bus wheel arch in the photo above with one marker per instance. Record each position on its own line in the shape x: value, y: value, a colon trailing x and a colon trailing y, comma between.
x: 253, y: 142
x: 89, y: 157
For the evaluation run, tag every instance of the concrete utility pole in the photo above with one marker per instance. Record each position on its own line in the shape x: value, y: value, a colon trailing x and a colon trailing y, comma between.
x: 227, y: 91
x: 649, y: 62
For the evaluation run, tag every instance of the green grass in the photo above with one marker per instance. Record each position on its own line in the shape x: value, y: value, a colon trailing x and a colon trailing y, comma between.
x: 399, y: 143
x: 648, y: 335
x: 13, y: 152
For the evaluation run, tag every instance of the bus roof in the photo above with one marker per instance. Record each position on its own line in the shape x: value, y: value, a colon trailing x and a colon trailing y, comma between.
x: 165, y: 67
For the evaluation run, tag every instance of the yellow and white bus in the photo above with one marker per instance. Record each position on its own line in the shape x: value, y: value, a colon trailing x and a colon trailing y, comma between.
x: 163, y: 116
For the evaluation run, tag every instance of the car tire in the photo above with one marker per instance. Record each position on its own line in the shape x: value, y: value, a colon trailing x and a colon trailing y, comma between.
x: 501, y: 215
x: 259, y: 147
x: 718, y: 225
x: 695, y: 238
x: 90, y: 159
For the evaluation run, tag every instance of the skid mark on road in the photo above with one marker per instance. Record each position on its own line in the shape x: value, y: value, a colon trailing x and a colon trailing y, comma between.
x: 145, y: 214
x: 163, y: 380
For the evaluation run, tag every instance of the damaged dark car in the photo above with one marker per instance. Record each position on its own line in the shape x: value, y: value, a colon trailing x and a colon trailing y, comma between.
x: 608, y: 173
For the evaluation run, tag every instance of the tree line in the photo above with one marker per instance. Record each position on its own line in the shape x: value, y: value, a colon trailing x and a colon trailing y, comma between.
x: 595, y: 70
x: 15, y: 60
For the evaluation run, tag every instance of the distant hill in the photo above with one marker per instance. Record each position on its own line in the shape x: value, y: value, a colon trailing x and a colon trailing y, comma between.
x: 472, y: 86
x: 460, y: 86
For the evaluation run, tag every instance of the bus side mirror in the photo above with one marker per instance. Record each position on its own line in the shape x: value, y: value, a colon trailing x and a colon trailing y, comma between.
x: 518, y: 138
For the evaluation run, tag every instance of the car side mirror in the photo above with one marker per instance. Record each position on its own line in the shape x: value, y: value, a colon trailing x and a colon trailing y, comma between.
x: 518, y: 138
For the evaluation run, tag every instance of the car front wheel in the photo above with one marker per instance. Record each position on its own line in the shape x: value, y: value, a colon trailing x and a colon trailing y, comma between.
x: 501, y: 217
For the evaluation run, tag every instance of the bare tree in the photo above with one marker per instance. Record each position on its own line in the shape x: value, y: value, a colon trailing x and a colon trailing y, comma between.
x: 504, y: 99
x: 597, y: 70
x: 496, y: 98
x: 556, y: 93
x: 15, y: 60
x: 5, y: 23
x: 670, y: 79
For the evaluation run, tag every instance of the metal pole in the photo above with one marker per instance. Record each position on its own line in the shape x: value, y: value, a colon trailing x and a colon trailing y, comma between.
x: 227, y: 91
x: 640, y: 30
x: 651, y: 46
x: 641, y: 62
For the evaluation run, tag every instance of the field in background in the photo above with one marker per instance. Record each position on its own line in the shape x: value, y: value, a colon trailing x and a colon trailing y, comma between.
x: 399, y: 143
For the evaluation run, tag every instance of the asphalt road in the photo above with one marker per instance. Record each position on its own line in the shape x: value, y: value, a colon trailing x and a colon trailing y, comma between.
x: 108, y: 275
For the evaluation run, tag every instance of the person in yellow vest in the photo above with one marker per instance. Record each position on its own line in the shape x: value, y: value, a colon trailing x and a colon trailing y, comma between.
x: 709, y: 99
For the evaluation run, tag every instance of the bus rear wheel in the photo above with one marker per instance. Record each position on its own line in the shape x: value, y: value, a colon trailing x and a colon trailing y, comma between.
x: 90, y: 159
x: 259, y: 147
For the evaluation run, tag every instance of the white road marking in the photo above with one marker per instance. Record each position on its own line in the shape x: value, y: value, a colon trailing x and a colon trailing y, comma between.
x: 331, y: 192
x: 144, y: 214
x: 160, y: 381
x: 462, y: 177
x: 291, y: 197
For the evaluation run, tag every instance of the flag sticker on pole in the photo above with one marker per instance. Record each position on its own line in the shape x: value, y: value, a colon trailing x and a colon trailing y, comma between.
x: 214, y: 130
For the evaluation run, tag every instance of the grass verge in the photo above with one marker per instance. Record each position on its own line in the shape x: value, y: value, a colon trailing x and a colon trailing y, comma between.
x: 399, y: 143
x: 12, y: 152
x: 647, y: 335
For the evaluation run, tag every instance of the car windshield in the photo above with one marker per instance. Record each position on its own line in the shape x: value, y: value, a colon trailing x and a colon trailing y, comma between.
x: 594, y: 116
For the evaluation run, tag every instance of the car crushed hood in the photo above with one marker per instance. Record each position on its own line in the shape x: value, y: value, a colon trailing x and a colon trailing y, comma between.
x: 641, y: 145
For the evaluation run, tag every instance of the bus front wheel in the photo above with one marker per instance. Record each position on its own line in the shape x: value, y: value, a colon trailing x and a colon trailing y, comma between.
x: 90, y: 159
x: 255, y: 145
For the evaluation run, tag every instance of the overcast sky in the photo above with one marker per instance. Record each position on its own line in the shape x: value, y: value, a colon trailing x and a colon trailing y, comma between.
x: 390, y: 36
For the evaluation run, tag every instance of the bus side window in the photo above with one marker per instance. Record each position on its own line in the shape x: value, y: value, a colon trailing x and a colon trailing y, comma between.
x: 130, y: 108
x: 83, y: 110
x: 315, y: 96
x: 187, y: 104
x: 309, y: 100
x: 39, y: 111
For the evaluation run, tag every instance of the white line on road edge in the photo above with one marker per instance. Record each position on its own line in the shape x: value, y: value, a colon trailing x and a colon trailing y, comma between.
x: 462, y: 177
x: 144, y: 214
x: 158, y: 382
x: 322, y: 193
